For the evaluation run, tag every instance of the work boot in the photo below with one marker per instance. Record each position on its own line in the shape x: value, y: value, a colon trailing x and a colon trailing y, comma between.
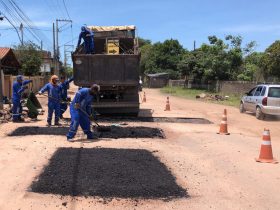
x: 69, y: 139
x: 21, y: 119
x: 91, y: 136
x: 57, y: 124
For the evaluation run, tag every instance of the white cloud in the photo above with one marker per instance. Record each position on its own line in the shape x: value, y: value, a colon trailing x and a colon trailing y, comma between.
x: 252, y: 28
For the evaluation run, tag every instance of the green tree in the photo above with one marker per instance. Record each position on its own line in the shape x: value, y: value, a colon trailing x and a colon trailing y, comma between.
x: 271, y: 60
x: 142, y: 42
x: 252, y: 70
x: 30, y: 58
x: 163, y: 57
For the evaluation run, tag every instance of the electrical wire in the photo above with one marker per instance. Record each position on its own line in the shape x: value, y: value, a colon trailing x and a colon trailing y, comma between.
x: 27, y: 20
x: 66, y: 9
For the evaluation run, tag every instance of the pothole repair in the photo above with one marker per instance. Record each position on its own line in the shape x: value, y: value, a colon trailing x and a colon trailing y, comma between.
x: 114, y: 132
x: 107, y: 173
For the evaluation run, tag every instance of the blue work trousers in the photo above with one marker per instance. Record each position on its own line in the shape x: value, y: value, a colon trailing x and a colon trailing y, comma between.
x: 79, y: 118
x: 17, y: 109
x: 89, y: 46
x: 63, y: 108
x: 53, y: 107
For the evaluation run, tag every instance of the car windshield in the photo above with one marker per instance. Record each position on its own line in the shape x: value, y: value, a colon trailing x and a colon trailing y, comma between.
x: 274, y: 92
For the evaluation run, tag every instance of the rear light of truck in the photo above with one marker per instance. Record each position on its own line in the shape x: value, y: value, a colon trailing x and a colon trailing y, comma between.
x: 264, y: 101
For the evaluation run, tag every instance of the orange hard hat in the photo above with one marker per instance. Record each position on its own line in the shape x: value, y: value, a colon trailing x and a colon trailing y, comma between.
x: 54, y: 79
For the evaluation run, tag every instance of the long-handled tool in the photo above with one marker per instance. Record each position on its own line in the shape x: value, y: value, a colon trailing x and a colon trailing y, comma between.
x: 99, y: 128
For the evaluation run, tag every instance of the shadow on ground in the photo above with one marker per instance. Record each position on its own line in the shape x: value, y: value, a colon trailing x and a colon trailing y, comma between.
x: 114, y: 132
x: 36, y: 130
x: 268, y: 118
x: 118, y: 119
x: 107, y: 173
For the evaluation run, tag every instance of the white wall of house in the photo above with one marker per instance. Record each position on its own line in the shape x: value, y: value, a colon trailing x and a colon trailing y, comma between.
x: 45, y: 67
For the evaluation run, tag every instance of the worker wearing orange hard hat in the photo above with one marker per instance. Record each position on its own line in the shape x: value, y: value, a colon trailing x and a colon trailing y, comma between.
x: 54, y: 98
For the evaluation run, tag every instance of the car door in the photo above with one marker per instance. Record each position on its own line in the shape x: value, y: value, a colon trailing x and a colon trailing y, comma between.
x: 256, y: 99
x: 248, y: 99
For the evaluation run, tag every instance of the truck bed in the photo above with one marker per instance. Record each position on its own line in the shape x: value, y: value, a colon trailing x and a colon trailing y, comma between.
x: 115, y: 70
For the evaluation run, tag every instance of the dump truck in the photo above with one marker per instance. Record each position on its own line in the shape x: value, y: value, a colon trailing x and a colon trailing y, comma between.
x: 114, y: 66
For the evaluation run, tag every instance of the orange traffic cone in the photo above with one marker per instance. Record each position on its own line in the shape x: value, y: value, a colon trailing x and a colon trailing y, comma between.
x: 223, y: 125
x: 144, y: 98
x: 266, y: 155
x: 167, y: 106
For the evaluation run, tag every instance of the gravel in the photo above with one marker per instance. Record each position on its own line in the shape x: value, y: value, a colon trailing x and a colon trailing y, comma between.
x: 107, y: 173
x: 114, y: 132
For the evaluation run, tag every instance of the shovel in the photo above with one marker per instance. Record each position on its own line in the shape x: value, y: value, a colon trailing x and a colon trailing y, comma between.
x: 99, y: 128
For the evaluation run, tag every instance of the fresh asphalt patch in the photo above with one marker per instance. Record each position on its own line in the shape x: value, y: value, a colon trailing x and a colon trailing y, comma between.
x: 117, y: 132
x: 107, y: 173
x: 114, y: 132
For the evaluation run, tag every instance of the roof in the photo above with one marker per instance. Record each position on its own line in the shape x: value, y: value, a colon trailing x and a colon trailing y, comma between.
x: 157, y: 74
x: 111, y: 28
x: 4, y: 51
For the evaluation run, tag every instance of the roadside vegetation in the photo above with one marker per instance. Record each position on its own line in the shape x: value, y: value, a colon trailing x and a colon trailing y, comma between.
x: 227, y: 58
x: 232, y: 100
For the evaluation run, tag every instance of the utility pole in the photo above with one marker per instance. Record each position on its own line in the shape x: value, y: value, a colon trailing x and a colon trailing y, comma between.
x: 194, y: 45
x: 56, y: 70
x: 21, y: 31
x: 67, y: 49
x: 1, y: 87
x: 54, y: 50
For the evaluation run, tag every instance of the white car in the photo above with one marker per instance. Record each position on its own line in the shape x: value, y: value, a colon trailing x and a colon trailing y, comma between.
x: 262, y: 100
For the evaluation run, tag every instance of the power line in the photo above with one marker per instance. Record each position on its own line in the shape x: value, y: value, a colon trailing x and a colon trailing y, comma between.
x: 66, y: 9
x: 27, y: 20
x: 15, y: 18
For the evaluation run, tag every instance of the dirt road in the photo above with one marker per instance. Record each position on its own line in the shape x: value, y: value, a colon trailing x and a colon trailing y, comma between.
x: 198, y: 169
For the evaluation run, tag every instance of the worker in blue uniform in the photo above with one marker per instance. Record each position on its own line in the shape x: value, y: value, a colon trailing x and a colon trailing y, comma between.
x: 64, y: 86
x: 54, y: 99
x: 81, y: 111
x: 87, y: 35
x: 18, y: 87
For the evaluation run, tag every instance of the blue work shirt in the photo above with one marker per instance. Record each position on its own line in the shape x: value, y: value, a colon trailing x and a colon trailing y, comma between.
x: 87, y: 36
x: 18, y: 89
x: 64, y: 87
x: 84, y: 98
x: 54, y: 92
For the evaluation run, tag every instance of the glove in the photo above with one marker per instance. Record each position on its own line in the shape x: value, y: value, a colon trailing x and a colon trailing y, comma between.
x: 91, y: 117
x: 77, y: 106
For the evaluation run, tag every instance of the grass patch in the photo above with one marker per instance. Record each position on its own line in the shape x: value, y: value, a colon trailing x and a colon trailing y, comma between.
x: 233, y: 100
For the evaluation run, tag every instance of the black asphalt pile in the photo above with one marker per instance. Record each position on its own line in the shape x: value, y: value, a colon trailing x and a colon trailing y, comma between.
x: 107, y: 173
x: 116, y: 132
x: 35, y: 130
x: 155, y: 119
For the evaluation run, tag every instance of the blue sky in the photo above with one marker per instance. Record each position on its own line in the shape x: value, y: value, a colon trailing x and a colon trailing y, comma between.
x: 185, y: 20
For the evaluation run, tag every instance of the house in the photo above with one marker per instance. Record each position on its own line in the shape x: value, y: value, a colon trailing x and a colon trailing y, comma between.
x: 158, y: 80
x: 47, y: 62
x: 9, y: 62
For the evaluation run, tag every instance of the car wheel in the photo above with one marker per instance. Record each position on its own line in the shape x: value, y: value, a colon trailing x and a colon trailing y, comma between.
x: 259, y: 114
x: 241, y: 108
